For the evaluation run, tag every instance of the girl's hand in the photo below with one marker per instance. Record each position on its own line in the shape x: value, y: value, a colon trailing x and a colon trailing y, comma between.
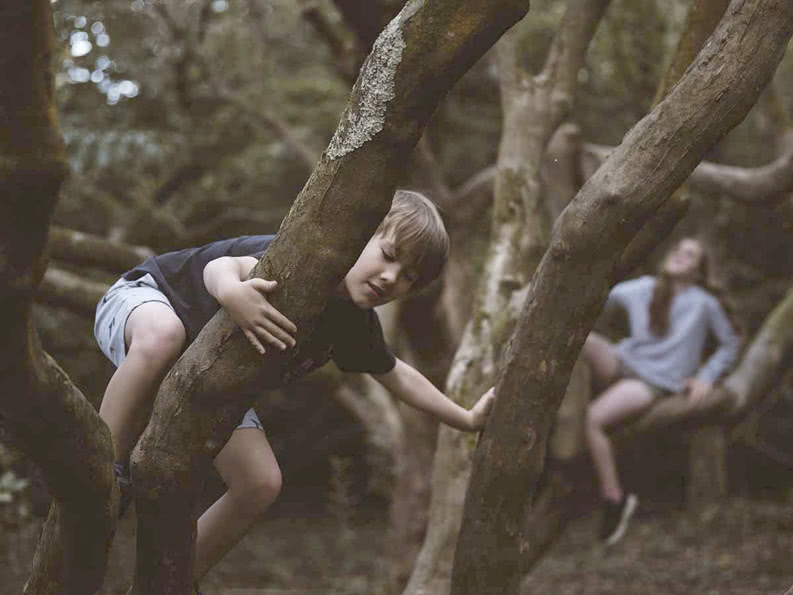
x: 481, y: 410
x: 697, y: 389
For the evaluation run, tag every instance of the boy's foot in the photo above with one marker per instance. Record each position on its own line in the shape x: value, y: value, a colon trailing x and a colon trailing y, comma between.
x: 124, y: 487
x: 616, y: 516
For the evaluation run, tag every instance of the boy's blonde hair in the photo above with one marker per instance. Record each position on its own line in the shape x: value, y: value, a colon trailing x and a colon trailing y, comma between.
x: 415, y: 225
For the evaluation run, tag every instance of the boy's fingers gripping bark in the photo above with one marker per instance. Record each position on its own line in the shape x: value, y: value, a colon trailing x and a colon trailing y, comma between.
x: 279, y: 319
x: 253, y: 340
x: 263, y: 285
x: 270, y: 332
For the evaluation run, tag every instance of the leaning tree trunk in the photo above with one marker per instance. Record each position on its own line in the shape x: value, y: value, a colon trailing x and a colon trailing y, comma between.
x: 574, y: 277
x: 533, y: 108
x: 703, y: 17
x: 45, y: 413
x: 417, y: 58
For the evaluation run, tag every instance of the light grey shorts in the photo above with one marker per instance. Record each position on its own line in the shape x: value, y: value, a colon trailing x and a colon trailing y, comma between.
x: 112, y: 313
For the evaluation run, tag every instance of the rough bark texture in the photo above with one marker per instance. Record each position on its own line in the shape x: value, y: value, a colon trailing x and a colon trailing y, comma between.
x: 707, y: 477
x: 46, y: 415
x: 533, y: 108
x: 574, y: 276
x: 702, y: 18
x: 417, y: 58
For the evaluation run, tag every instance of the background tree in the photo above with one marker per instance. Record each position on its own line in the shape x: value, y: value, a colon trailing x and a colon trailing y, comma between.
x: 45, y: 413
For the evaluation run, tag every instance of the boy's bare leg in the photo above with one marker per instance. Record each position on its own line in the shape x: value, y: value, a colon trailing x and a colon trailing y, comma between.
x: 620, y: 401
x: 154, y: 336
x: 251, y: 473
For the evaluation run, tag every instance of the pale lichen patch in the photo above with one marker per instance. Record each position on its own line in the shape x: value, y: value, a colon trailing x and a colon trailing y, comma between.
x: 364, y: 119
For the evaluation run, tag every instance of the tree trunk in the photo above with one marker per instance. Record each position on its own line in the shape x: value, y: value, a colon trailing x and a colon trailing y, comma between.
x: 574, y: 277
x: 413, y: 64
x: 533, y: 108
x: 47, y: 416
x: 707, y: 464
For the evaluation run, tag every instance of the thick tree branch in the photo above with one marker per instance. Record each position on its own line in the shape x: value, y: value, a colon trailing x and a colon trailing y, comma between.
x: 85, y: 249
x: 412, y: 66
x: 763, y: 184
x: 48, y: 417
x: 533, y: 107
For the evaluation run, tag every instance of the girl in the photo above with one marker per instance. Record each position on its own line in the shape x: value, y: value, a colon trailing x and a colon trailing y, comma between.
x: 670, y: 318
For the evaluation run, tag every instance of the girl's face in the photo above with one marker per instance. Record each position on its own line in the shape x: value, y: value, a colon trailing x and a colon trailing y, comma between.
x: 684, y: 260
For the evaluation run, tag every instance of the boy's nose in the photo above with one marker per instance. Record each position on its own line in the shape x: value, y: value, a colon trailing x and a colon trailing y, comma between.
x: 390, y: 274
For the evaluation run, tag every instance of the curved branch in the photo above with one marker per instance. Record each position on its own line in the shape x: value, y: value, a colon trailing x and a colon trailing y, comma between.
x: 85, y: 249
x: 67, y: 290
x: 758, y: 185
x: 764, y: 184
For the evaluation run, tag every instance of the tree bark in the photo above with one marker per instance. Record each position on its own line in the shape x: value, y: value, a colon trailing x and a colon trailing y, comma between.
x: 533, y: 108
x: 47, y: 416
x: 417, y: 58
x: 707, y: 461
x: 573, y: 279
x: 702, y: 18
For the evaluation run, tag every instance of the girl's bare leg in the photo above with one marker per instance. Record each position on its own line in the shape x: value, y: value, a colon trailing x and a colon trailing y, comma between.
x: 622, y: 400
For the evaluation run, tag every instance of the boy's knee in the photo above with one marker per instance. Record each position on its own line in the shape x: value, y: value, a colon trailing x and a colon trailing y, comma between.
x: 159, y: 343
x: 262, y: 491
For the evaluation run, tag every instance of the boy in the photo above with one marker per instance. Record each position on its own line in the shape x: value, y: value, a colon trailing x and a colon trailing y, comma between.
x: 147, y: 318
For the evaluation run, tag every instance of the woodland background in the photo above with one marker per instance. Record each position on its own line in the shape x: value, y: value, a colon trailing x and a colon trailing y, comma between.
x: 187, y: 122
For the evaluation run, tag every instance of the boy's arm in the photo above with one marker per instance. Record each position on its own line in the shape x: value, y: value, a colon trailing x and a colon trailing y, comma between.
x: 409, y: 385
x: 226, y: 279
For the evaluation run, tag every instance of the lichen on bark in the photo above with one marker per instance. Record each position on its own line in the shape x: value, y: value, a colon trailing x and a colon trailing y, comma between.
x: 364, y: 119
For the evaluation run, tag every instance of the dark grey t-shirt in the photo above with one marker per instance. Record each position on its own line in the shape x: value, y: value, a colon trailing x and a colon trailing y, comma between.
x: 351, y: 337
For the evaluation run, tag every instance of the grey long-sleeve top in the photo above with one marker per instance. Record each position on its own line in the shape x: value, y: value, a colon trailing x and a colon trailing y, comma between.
x: 667, y: 361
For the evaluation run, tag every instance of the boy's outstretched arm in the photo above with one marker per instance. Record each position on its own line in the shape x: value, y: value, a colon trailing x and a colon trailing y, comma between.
x: 411, y: 386
x: 226, y: 279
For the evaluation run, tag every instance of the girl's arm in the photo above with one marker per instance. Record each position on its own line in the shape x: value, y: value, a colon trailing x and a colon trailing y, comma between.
x: 729, y: 344
x: 410, y: 386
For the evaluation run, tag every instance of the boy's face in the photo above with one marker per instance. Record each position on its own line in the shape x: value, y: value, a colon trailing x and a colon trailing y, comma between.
x: 378, y: 276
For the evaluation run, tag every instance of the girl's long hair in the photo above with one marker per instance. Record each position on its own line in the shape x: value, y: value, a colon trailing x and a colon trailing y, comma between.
x: 664, y: 291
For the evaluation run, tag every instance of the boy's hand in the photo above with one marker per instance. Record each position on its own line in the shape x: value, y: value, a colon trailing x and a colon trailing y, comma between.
x: 247, y: 304
x: 481, y: 410
x: 697, y: 389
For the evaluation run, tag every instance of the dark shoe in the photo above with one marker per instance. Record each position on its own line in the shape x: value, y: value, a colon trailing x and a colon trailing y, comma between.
x: 616, y: 516
x: 124, y: 487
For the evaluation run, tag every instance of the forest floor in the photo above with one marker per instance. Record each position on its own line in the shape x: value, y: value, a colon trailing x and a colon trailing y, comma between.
x: 742, y: 548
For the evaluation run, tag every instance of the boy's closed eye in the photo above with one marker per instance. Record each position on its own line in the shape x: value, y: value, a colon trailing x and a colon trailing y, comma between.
x: 411, y: 275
